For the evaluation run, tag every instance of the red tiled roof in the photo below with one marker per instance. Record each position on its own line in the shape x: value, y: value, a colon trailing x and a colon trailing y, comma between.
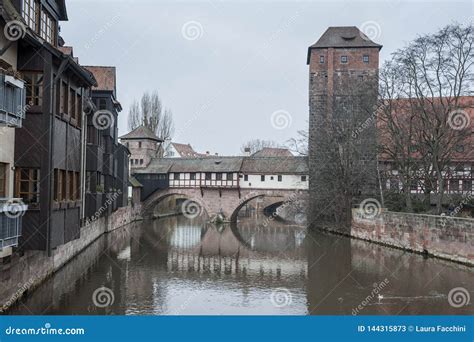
x: 466, y: 106
x: 185, y: 150
x: 105, y: 76
x: 67, y: 50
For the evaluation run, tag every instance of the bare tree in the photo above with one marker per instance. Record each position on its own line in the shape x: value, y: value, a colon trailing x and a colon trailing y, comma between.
x: 299, y: 145
x: 345, y: 151
x: 150, y: 113
x: 435, y: 72
x: 397, y: 131
x: 257, y: 144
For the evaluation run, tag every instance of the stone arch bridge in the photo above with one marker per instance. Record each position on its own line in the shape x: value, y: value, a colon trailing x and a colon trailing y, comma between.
x: 225, y: 201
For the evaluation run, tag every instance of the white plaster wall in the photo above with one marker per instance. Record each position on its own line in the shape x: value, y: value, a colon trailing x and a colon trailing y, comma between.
x: 7, y: 154
x: 10, y: 56
x: 288, y: 182
x: 185, y: 180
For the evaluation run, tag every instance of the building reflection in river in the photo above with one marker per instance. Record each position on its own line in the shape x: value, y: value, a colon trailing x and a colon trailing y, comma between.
x: 181, y: 266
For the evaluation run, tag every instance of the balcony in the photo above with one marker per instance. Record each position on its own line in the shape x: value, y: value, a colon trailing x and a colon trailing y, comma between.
x: 12, y: 100
x: 11, y: 212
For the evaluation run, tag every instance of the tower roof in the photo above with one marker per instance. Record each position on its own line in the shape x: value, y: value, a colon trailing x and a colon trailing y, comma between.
x: 141, y: 132
x: 343, y: 37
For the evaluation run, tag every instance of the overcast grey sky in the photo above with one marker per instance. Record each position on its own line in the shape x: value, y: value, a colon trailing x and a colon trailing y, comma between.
x: 225, y: 67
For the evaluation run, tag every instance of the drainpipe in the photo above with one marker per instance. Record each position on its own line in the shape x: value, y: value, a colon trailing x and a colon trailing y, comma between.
x: 85, y: 95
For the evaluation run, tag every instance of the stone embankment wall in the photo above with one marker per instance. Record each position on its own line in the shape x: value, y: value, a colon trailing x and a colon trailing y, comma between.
x: 26, y: 272
x: 441, y: 236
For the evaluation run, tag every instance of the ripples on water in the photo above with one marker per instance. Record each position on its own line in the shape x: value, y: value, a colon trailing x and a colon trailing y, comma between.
x: 178, y: 266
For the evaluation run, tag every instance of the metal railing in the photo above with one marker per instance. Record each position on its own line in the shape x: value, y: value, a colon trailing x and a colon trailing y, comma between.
x: 11, y: 213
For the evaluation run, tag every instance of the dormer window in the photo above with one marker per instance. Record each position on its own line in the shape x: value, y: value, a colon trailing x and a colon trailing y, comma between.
x: 29, y: 13
x: 343, y: 59
x: 48, y: 27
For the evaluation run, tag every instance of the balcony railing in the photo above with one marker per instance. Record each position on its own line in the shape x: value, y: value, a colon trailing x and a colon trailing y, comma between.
x: 12, y: 100
x: 11, y: 213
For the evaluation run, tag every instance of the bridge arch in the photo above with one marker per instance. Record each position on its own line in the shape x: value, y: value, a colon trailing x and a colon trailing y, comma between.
x: 150, y: 204
x: 221, y: 201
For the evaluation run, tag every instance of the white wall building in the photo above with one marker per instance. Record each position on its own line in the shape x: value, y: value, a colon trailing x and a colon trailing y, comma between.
x: 274, y: 173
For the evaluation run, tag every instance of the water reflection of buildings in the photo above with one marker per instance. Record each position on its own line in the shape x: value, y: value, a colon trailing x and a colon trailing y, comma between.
x: 246, y: 249
x: 175, y: 266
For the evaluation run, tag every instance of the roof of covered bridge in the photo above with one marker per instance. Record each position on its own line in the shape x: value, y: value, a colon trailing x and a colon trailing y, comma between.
x: 263, y: 165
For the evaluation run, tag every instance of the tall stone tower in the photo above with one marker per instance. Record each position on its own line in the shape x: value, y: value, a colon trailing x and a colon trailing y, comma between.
x: 343, y: 87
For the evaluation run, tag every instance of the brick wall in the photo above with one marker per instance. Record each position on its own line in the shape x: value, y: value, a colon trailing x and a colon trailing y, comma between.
x: 440, y: 236
x: 341, y: 97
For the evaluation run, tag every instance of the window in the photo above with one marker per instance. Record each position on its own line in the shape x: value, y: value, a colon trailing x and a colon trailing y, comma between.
x: 321, y: 59
x: 192, y: 176
x: 230, y: 176
x: 63, y: 101
x: 34, y: 88
x: 453, y: 185
x: 70, y: 184
x: 57, y: 185
x: 303, y: 178
x: 246, y: 178
x: 48, y: 27
x: 141, y: 161
x: 176, y: 176
x: 344, y: 59
x: 467, y: 185
x: 262, y: 178
x: 3, y: 180
x: 271, y: 178
x: 30, y: 14
x: 89, y: 175
x: 365, y: 58
x: 27, y: 185
x: 72, y: 103
x: 280, y: 178
x: 139, y: 144
x: 77, y: 177
x: 219, y: 176
x: 208, y: 176
x: 60, y: 185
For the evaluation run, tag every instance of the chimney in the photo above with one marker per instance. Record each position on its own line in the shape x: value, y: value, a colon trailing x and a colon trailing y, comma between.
x: 247, y: 152
x: 216, y: 154
x: 207, y: 153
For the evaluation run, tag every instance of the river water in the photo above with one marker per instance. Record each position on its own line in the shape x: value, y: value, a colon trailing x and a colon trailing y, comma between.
x: 178, y: 266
